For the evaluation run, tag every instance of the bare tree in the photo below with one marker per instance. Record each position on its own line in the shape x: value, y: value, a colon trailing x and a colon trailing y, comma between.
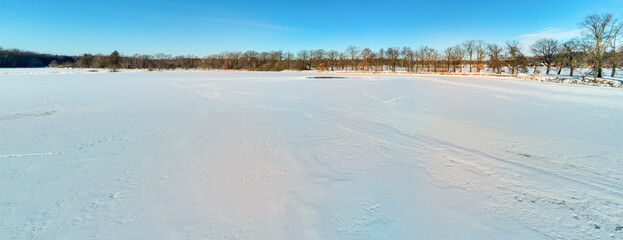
x: 570, y: 50
x: 434, y: 58
x: 392, y: 57
x: 599, y: 28
x: 514, y: 52
x: 381, y: 60
x: 449, y: 57
x: 353, y: 52
x: 303, y: 57
x: 407, y: 58
x: 481, y: 52
x: 546, y: 49
x: 332, y: 57
x: 469, y: 47
x: 494, y: 51
x: 84, y: 61
x: 288, y: 56
x: 342, y: 60
x: 459, y: 55
x: 318, y: 56
x: 421, y: 57
x: 251, y: 58
x: 365, y: 58
x: 372, y: 58
x: 616, y: 54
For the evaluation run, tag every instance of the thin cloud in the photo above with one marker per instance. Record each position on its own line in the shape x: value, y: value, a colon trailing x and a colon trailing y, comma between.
x: 231, y: 21
x: 249, y: 23
x: 549, y: 32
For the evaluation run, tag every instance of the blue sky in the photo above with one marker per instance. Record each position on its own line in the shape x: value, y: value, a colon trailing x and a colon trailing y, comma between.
x: 205, y: 27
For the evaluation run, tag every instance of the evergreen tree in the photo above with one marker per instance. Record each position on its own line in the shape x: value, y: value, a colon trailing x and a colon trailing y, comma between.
x: 114, y: 61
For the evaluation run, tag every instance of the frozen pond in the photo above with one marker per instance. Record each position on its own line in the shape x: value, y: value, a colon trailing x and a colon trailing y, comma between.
x: 252, y: 155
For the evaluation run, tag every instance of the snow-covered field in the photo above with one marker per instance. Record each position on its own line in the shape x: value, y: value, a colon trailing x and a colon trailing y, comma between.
x: 249, y: 155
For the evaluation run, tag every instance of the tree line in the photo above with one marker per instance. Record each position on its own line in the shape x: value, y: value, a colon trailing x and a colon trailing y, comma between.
x: 596, y: 49
x: 15, y: 58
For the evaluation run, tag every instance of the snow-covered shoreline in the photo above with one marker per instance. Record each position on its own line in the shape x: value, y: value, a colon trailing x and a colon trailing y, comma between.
x: 607, y: 82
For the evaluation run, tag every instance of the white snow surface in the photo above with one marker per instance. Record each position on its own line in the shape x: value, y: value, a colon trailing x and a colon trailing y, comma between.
x: 251, y: 155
